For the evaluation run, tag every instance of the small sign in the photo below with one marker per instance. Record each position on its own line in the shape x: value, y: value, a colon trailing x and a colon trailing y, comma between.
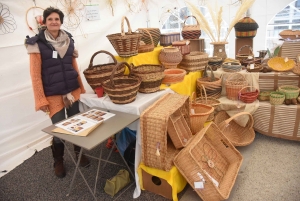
x: 92, y: 12
x: 220, y: 50
x: 199, y: 185
x: 251, y: 66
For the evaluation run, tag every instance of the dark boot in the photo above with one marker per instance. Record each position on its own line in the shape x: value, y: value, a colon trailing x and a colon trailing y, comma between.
x: 58, y: 154
x: 84, y: 161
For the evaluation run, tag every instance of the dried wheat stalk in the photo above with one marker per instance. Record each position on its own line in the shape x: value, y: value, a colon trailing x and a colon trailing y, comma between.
x: 219, y: 22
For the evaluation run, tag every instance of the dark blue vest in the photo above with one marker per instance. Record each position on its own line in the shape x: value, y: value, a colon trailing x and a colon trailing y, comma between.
x: 58, y: 75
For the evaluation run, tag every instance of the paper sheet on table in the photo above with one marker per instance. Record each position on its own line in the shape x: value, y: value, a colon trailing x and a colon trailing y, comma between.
x: 82, y: 134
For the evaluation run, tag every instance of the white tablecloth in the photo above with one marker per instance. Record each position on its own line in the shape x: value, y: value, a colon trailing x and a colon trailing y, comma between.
x: 137, y: 107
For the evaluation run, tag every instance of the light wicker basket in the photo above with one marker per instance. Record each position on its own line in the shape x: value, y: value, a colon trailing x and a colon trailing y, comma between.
x: 234, y: 83
x: 264, y: 96
x: 277, y: 98
x: 173, y: 76
x: 210, y: 158
x: 290, y: 91
x: 296, y: 69
x: 236, y: 134
x: 194, y: 61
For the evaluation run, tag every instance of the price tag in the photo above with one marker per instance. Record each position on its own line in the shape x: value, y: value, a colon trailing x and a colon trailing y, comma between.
x: 220, y: 50
x: 199, y: 185
x: 251, y: 66
x: 54, y: 54
x: 250, y: 57
x: 286, y: 59
x: 192, y: 111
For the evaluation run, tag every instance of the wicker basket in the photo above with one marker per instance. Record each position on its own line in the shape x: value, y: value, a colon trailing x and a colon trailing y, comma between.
x: 170, y: 57
x: 199, y: 115
x: 215, y: 62
x: 173, y: 76
x: 194, y: 61
x: 277, y: 98
x: 210, y: 158
x: 290, y: 91
x: 183, y: 46
x: 279, y: 64
x: 155, y: 33
x: 242, y: 57
x: 264, y: 96
x: 122, y: 89
x: 290, y: 34
x: 236, y: 134
x: 248, y: 96
x: 234, y: 83
x: 191, y: 31
x: 125, y: 44
x: 231, y: 67
x: 147, y: 47
x: 257, y: 68
x: 296, y: 69
x: 179, y: 129
x: 95, y: 74
x: 246, y: 28
x: 166, y: 39
x: 152, y: 76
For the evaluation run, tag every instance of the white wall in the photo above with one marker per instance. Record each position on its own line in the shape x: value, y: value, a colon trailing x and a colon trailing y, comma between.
x: 20, y: 133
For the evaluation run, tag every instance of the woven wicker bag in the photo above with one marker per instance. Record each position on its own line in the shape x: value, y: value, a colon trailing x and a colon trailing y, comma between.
x: 236, y: 134
x: 210, y: 158
x: 126, y: 44
x: 122, y: 89
x: 191, y: 31
x: 95, y: 74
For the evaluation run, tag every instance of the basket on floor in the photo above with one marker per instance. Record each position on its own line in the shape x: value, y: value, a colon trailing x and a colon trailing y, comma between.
x: 179, y: 129
x: 147, y: 47
x: 198, y: 115
x: 126, y: 44
x: 248, y: 96
x: 212, y: 160
x: 242, y: 57
x: 234, y: 83
x: 122, y: 89
x: 277, y: 97
x: 212, y: 84
x: 152, y: 76
x: 290, y: 91
x: 95, y: 74
x: 194, y: 61
x: 173, y: 76
x: 236, y: 134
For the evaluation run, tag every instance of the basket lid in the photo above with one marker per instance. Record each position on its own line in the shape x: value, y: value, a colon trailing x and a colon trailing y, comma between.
x: 246, y: 24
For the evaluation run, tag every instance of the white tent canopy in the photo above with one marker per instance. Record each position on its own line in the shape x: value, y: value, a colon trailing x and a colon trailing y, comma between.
x: 21, y: 135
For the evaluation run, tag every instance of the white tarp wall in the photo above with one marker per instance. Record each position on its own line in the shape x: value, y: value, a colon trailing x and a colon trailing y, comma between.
x: 20, y: 133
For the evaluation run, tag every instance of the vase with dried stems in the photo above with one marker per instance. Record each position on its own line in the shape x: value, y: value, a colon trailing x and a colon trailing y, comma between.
x: 216, y: 15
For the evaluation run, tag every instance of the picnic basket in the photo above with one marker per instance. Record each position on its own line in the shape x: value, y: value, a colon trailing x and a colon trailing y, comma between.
x: 248, y: 96
x: 191, y: 31
x: 194, y: 61
x: 234, y: 83
x: 277, y: 97
x: 152, y: 76
x: 290, y: 91
x: 126, y: 44
x: 146, y: 47
x: 173, y: 76
x: 122, y: 89
x: 95, y: 74
x: 210, y: 158
x: 242, y: 57
x: 236, y: 134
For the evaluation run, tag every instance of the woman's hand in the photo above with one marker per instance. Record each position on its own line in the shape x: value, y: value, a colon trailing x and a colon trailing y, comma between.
x: 45, y: 109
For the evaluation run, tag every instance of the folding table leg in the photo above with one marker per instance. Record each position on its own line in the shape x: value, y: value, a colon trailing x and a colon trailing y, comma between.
x: 98, y: 168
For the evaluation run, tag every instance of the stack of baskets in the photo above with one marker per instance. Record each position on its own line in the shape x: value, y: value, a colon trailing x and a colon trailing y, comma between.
x: 212, y: 85
x: 194, y: 61
x: 248, y: 96
x: 152, y: 76
x: 234, y: 83
x: 122, y: 89
x: 95, y: 74
x: 125, y: 44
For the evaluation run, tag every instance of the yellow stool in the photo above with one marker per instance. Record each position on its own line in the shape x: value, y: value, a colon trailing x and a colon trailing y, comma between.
x: 166, y: 184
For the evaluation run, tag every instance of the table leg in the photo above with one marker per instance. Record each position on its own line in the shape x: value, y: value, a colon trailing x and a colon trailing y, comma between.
x: 98, y: 168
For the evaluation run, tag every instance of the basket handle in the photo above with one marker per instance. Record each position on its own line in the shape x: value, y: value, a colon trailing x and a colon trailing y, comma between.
x: 188, y: 17
x: 239, y: 114
x: 152, y: 43
x: 204, y: 93
x: 122, y: 26
x: 114, y: 70
x: 250, y: 49
x: 101, y: 51
x: 193, y: 97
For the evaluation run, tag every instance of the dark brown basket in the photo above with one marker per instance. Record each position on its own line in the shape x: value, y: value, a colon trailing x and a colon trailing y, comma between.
x: 125, y: 44
x: 191, y: 31
x: 167, y: 38
x: 122, y: 89
x: 95, y: 74
x: 155, y: 33
x: 147, y: 47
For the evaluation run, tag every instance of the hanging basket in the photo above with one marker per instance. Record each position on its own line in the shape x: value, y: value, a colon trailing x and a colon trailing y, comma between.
x: 95, y: 74
x: 122, y: 89
x: 248, y: 96
x: 236, y: 134
x: 191, y: 31
x: 126, y: 44
x: 234, y: 83
x: 147, y: 47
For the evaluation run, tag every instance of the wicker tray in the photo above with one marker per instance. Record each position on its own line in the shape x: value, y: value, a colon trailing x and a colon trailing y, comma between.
x: 236, y: 134
x: 210, y: 158
x: 173, y: 76
x: 279, y: 64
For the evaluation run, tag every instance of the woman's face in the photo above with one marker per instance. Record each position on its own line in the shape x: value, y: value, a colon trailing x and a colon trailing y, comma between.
x: 53, y: 22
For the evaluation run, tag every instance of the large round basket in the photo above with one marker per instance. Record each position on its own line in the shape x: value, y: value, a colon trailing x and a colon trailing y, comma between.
x: 280, y: 64
x: 290, y: 91
x: 212, y: 85
x: 236, y: 134
x: 173, y: 76
x: 126, y: 44
x: 95, y: 74
x: 277, y: 98
x: 234, y: 83
x: 122, y: 89
x: 151, y: 75
x: 194, y: 61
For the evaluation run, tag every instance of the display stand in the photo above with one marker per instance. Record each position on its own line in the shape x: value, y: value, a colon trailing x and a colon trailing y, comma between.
x: 197, y: 45
x: 240, y: 42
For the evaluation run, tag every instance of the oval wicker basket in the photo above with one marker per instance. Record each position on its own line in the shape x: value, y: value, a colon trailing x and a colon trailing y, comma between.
x: 194, y: 61
x: 95, y: 74
x: 122, y: 89
x: 173, y: 76
x: 170, y: 57
x: 290, y: 91
x: 236, y: 134
x: 277, y: 98
x: 152, y: 76
x: 234, y: 83
x: 279, y: 64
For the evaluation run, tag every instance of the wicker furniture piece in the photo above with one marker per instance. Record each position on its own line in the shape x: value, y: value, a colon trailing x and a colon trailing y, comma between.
x: 191, y: 31
x: 236, y: 134
x: 212, y: 161
x: 95, y: 74
x: 126, y: 44
x: 194, y: 61
x: 234, y: 83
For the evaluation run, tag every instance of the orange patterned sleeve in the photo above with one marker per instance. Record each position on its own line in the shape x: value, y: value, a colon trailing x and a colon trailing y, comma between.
x: 36, y: 79
x: 75, y: 66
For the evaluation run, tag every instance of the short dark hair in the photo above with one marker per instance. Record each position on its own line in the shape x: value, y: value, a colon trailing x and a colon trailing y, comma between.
x: 50, y: 10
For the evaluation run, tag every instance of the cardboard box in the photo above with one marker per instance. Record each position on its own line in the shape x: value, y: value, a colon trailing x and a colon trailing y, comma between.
x: 197, y: 45
x: 240, y: 42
